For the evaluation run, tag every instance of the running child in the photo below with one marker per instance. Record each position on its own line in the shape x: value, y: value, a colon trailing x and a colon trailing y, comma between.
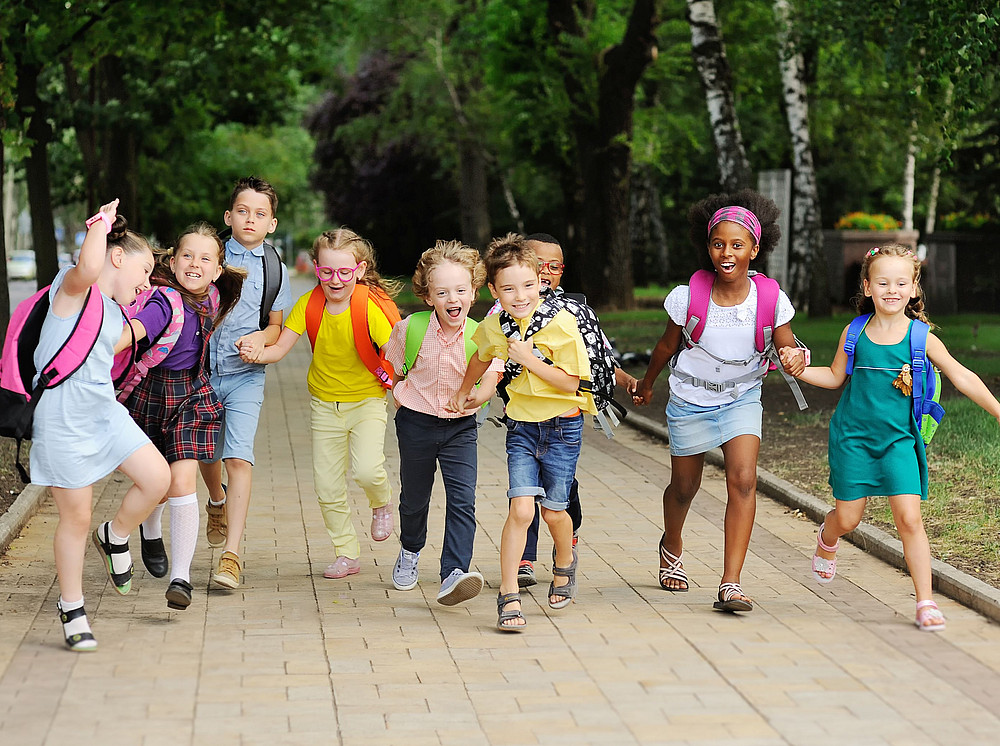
x: 240, y: 384
x: 81, y: 433
x: 715, y: 384
x: 174, y: 403
x: 544, y: 416
x: 875, y: 443
x: 447, y: 278
x: 348, y: 399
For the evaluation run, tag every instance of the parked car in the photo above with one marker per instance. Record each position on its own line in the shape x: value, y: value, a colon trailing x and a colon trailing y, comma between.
x: 21, y: 265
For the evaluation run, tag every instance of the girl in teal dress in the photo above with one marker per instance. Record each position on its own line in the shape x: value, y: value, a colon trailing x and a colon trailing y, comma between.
x: 875, y: 446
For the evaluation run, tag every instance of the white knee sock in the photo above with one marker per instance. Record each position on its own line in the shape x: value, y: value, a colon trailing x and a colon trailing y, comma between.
x: 74, y: 626
x: 152, y: 527
x: 184, y: 517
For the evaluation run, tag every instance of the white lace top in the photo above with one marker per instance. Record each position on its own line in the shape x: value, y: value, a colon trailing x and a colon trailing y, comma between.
x: 728, y: 334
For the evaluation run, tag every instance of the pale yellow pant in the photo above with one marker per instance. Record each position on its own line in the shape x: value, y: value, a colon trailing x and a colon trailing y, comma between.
x: 341, y: 430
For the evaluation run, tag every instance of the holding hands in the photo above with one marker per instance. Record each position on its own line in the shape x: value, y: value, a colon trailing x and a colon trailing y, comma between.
x: 250, y: 346
x: 794, y: 360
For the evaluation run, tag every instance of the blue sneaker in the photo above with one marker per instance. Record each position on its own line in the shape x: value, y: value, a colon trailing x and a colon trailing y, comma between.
x: 404, y: 572
x: 459, y: 586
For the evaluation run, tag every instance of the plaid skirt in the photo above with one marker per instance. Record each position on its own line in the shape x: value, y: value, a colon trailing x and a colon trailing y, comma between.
x: 181, y: 415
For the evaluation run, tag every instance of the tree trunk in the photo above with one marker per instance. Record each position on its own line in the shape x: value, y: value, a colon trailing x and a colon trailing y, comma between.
x: 119, y: 146
x: 910, y: 176
x: 473, y: 195
x: 36, y: 168
x: 4, y: 289
x: 603, y: 148
x: 650, y: 258
x: 807, y: 267
x: 709, y: 54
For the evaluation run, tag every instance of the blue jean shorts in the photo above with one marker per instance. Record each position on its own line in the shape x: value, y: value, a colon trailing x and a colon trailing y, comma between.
x: 242, y: 395
x: 541, y: 459
x: 695, y: 429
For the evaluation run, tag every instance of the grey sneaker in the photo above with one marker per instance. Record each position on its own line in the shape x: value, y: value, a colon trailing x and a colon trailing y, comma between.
x: 404, y: 572
x: 459, y: 586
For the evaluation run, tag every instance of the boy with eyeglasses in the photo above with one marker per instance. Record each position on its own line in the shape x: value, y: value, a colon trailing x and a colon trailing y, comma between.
x: 239, y: 384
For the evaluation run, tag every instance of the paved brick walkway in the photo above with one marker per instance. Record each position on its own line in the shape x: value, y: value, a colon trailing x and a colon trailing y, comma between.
x: 293, y: 658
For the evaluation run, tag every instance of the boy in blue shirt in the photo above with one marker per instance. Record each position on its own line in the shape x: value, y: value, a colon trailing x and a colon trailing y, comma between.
x: 240, y: 385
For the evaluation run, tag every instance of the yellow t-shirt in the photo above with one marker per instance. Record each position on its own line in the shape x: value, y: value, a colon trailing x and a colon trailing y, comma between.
x: 336, y: 372
x: 531, y: 398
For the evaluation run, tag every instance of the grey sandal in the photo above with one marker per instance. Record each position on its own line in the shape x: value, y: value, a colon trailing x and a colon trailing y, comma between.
x: 567, y: 592
x: 503, y: 616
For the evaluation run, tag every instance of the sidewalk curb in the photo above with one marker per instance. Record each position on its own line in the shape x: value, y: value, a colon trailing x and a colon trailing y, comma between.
x: 18, y: 515
x: 950, y: 581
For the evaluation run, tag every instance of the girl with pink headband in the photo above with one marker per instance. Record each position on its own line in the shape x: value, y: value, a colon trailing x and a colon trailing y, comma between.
x: 715, y: 371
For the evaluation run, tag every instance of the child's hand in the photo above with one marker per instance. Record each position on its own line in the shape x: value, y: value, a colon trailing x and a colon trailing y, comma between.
x: 250, y: 346
x: 793, y: 359
x: 111, y: 209
x: 454, y: 404
x: 520, y: 351
x: 642, y: 394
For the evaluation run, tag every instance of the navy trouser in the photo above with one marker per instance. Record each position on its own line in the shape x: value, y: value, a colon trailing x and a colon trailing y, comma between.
x: 424, y: 442
x: 575, y: 512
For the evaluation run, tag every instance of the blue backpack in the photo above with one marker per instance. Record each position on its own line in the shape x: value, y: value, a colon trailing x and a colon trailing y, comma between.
x: 927, y: 409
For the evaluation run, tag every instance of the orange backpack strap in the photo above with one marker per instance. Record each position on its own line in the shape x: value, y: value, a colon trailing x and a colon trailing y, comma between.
x: 368, y: 351
x: 314, y: 313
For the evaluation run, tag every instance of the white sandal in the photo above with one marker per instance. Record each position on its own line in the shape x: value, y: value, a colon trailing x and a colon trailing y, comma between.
x: 732, y: 598
x: 824, y: 570
x: 674, y: 569
x: 929, y: 617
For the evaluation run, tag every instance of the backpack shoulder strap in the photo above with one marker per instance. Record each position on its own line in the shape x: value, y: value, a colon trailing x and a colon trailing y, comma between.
x: 918, y: 358
x: 854, y: 330
x: 272, y: 282
x: 767, y: 309
x: 314, y: 313
x: 699, y: 293
x: 368, y: 351
x: 470, y: 346
x: 417, y: 327
x: 75, y: 350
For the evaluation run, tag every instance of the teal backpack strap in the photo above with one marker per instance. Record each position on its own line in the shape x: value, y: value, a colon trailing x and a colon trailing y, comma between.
x: 416, y: 329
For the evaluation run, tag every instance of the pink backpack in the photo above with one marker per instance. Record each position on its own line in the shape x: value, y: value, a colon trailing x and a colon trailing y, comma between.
x: 700, y: 289
x: 18, y: 398
x: 131, y: 366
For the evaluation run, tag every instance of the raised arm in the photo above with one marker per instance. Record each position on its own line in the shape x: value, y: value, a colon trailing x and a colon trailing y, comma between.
x: 964, y: 379
x: 69, y: 299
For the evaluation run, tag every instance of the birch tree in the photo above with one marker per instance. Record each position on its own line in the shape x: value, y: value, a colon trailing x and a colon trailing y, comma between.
x: 709, y: 54
x: 807, y: 268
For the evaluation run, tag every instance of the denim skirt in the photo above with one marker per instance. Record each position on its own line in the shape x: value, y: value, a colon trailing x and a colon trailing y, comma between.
x: 695, y: 429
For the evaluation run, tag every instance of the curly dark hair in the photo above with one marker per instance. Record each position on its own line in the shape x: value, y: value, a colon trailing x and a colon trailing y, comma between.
x: 766, y: 211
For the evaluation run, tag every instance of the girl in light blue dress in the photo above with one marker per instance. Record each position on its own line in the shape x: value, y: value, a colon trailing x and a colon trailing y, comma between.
x: 81, y: 433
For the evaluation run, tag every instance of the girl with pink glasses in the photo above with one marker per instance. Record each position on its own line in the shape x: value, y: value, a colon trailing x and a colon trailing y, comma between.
x: 348, y: 317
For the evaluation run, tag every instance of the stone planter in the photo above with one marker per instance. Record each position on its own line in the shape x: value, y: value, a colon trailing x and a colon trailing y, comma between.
x: 845, y: 251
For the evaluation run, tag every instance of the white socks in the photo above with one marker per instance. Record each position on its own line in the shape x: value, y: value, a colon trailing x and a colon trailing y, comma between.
x: 184, y: 516
x: 152, y: 527
x: 74, y: 626
x: 120, y: 562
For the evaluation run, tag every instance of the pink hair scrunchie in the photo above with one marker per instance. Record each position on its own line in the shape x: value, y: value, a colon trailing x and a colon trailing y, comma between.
x: 740, y: 216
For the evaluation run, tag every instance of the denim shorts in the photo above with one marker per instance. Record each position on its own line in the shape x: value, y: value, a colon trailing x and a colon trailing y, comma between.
x: 695, y: 429
x: 242, y: 395
x: 541, y: 459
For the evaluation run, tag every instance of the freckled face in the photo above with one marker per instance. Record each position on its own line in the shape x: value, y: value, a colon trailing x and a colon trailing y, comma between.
x: 516, y: 287
x: 450, y: 294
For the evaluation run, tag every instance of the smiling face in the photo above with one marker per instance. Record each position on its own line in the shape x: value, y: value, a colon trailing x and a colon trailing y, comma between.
x: 195, y: 263
x: 251, y: 218
x: 731, y: 248
x: 890, y: 284
x: 516, y: 287
x: 450, y: 294
x: 336, y: 290
x: 548, y: 254
x: 133, y: 274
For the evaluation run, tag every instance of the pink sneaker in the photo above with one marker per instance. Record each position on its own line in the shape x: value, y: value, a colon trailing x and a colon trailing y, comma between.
x: 382, y: 523
x: 342, y: 567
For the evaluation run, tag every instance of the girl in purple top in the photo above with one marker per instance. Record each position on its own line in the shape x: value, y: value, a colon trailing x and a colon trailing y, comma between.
x: 174, y: 404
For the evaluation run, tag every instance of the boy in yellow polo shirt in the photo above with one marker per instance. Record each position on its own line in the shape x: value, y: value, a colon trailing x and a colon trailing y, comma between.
x: 547, y: 358
x: 348, y: 413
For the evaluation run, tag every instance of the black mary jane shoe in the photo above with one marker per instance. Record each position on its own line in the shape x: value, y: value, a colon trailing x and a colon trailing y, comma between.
x: 178, y: 594
x: 154, y: 555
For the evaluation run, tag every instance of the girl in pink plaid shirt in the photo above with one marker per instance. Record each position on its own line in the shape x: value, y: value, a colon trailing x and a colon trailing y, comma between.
x: 447, y: 278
